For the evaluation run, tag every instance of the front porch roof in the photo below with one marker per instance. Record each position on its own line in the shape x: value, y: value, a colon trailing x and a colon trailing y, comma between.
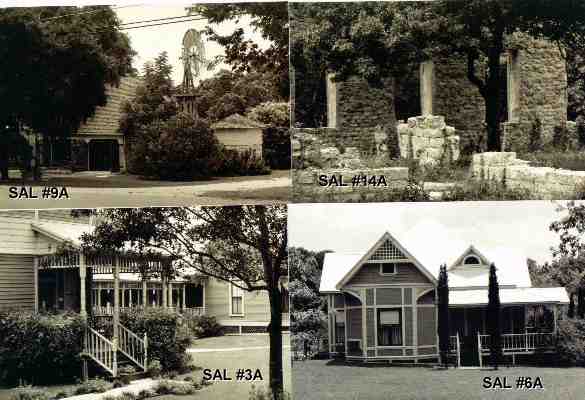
x: 62, y: 231
x: 528, y: 295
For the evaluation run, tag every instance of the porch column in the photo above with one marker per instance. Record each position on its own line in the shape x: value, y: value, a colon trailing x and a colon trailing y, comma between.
x: 330, y: 310
x: 36, y: 282
x: 184, y: 296
x: 555, y: 316
x: 171, y: 294
x: 144, y: 293
x: 163, y: 279
x: 116, y: 297
x: 364, y: 323
x: 82, y: 276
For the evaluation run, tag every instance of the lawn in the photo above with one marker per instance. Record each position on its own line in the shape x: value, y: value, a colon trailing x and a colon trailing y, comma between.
x: 325, y: 379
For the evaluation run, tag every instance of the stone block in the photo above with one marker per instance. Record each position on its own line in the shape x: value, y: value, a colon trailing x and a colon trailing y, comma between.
x: 436, y: 121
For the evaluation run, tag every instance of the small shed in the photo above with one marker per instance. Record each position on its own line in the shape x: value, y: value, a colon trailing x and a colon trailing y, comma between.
x: 237, y: 132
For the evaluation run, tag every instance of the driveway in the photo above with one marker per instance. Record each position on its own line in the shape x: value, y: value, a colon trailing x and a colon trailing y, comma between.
x: 230, y: 353
x: 106, y: 190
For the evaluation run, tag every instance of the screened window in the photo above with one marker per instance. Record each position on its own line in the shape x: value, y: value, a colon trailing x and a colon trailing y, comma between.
x: 387, y: 268
x: 339, y: 327
x: 390, y: 327
x: 237, y: 297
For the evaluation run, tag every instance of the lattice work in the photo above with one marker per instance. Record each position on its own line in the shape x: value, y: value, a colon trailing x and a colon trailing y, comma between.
x: 387, y: 252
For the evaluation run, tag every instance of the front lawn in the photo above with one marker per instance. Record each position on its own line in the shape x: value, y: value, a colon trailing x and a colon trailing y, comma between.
x: 326, y: 379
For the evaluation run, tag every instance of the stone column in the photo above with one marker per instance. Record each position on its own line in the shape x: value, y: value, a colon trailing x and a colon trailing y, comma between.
x: 331, y: 92
x: 427, y: 69
x: 513, y: 87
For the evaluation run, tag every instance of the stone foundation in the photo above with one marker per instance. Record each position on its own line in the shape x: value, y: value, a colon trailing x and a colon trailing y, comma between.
x: 313, y: 184
x: 543, y: 182
x: 428, y: 139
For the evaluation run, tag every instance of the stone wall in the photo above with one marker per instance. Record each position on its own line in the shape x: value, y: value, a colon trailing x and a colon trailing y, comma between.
x: 455, y: 97
x: 428, y: 139
x: 336, y: 185
x: 360, y: 105
x: 544, y: 182
x: 332, y: 147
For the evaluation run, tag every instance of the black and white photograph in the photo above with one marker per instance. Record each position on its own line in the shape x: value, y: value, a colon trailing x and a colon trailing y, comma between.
x: 480, y: 299
x: 127, y: 105
x: 437, y: 100
x: 131, y: 304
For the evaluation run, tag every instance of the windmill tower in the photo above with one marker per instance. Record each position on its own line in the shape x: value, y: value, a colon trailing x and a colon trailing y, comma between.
x: 193, y: 57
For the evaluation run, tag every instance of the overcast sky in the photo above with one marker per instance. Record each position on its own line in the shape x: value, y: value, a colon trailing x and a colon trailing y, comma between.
x: 151, y: 41
x: 356, y: 227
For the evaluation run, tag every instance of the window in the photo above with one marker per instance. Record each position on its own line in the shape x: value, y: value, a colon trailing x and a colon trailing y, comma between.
x: 387, y: 268
x: 390, y: 327
x: 339, y: 327
x: 471, y: 260
x: 237, y: 300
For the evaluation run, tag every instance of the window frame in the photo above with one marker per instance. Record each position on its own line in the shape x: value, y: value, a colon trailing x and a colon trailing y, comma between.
x: 231, y: 299
x: 467, y: 257
x: 379, y: 325
x: 381, y: 268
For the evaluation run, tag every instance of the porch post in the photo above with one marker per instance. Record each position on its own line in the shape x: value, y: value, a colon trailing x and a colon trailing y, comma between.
x: 82, y: 276
x: 555, y: 316
x: 329, y: 328
x: 184, y: 296
x: 144, y: 293
x: 36, y: 282
x: 479, y: 350
x: 116, y: 296
x: 170, y: 292
x: 364, y: 324
x: 163, y: 279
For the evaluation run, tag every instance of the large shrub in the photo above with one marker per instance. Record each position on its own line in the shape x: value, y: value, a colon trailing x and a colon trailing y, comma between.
x: 203, y: 326
x: 181, y: 148
x: 168, y: 339
x: 276, y: 147
x: 241, y: 163
x: 40, y: 348
x: 571, y: 342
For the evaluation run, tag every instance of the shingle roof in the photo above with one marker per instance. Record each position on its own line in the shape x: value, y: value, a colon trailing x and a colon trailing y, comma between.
x: 237, y: 121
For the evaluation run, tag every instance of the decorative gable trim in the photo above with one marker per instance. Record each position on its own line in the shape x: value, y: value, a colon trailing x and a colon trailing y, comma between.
x: 398, y: 249
x: 471, y: 251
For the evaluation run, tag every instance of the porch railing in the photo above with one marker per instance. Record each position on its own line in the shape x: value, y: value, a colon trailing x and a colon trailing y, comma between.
x: 108, y: 310
x: 101, y: 350
x: 134, y: 347
x: 520, y: 342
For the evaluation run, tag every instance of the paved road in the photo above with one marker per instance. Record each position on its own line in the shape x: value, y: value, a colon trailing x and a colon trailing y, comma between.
x: 252, y: 190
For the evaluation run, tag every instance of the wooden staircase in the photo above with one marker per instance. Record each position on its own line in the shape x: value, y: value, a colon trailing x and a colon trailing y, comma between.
x: 110, y: 353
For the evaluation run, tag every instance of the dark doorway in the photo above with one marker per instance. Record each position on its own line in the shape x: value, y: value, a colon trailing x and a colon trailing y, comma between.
x: 59, y: 290
x: 194, y: 295
x: 104, y: 155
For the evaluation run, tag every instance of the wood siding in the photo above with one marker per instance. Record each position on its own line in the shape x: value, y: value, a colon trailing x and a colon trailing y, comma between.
x: 369, y: 274
x: 17, y: 281
x: 217, y: 303
x: 388, y: 296
x: 426, y: 326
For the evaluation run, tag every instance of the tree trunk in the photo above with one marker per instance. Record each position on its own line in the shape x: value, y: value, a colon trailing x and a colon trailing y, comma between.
x: 493, y: 100
x: 275, y: 333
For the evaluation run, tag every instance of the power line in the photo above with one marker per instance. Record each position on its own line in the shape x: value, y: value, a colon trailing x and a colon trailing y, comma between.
x: 84, y: 12
x: 162, y: 23
x: 154, y: 20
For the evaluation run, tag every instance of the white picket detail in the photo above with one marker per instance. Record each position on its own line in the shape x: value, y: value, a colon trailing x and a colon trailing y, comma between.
x: 134, y: 347
x: 520, y: 342
x: 101, y: 350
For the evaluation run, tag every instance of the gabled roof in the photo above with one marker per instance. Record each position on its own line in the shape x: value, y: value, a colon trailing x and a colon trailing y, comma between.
x: 62, y: 231
x: 353, y: 269
x: 471, y: 250
x: 237, y: 121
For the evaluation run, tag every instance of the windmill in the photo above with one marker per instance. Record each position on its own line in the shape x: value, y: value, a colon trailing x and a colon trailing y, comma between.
x: 193, y: 57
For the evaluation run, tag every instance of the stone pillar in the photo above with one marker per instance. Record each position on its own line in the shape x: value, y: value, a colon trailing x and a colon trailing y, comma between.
x: 331, y: 92
x: 426, y: 87
x: 513, y: 88
x: 82, y: 287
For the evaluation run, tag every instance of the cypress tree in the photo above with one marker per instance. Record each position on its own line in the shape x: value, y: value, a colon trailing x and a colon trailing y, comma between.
x: 571, y: 312
x: 493, y: 318
x: 443, y: 309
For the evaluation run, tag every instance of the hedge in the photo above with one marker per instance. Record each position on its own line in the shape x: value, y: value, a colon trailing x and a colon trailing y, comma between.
x: 38, y: 348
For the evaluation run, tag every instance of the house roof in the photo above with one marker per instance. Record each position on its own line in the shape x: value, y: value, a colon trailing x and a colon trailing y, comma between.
x: 552, y: 295
x: 431, y: 245
x: 62, y: 231
x: 237, y: 121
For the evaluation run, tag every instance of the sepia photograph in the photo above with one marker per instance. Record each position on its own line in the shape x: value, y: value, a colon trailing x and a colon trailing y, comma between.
x: 468, y: 300
x: 139, y: 303
x: 118, y: 106
x: 437, y: 100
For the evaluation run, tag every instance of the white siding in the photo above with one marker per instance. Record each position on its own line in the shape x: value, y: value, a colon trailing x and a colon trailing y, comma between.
x: 217, y: 298
x: 16, y: 281
x: 241, y: 139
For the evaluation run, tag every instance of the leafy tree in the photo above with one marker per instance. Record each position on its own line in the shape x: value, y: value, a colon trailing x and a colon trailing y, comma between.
x: 493, y: 318
x: 153, y: 101
x: 243, y: 245
x: 55, y: 67
x: 229, y: 93
x: 271, y: 113
x: 571, y: 311
x: 443, y: 318
x: 271, y: 19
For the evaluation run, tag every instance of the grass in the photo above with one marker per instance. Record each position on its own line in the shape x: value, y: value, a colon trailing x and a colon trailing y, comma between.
x: 324, y: 379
